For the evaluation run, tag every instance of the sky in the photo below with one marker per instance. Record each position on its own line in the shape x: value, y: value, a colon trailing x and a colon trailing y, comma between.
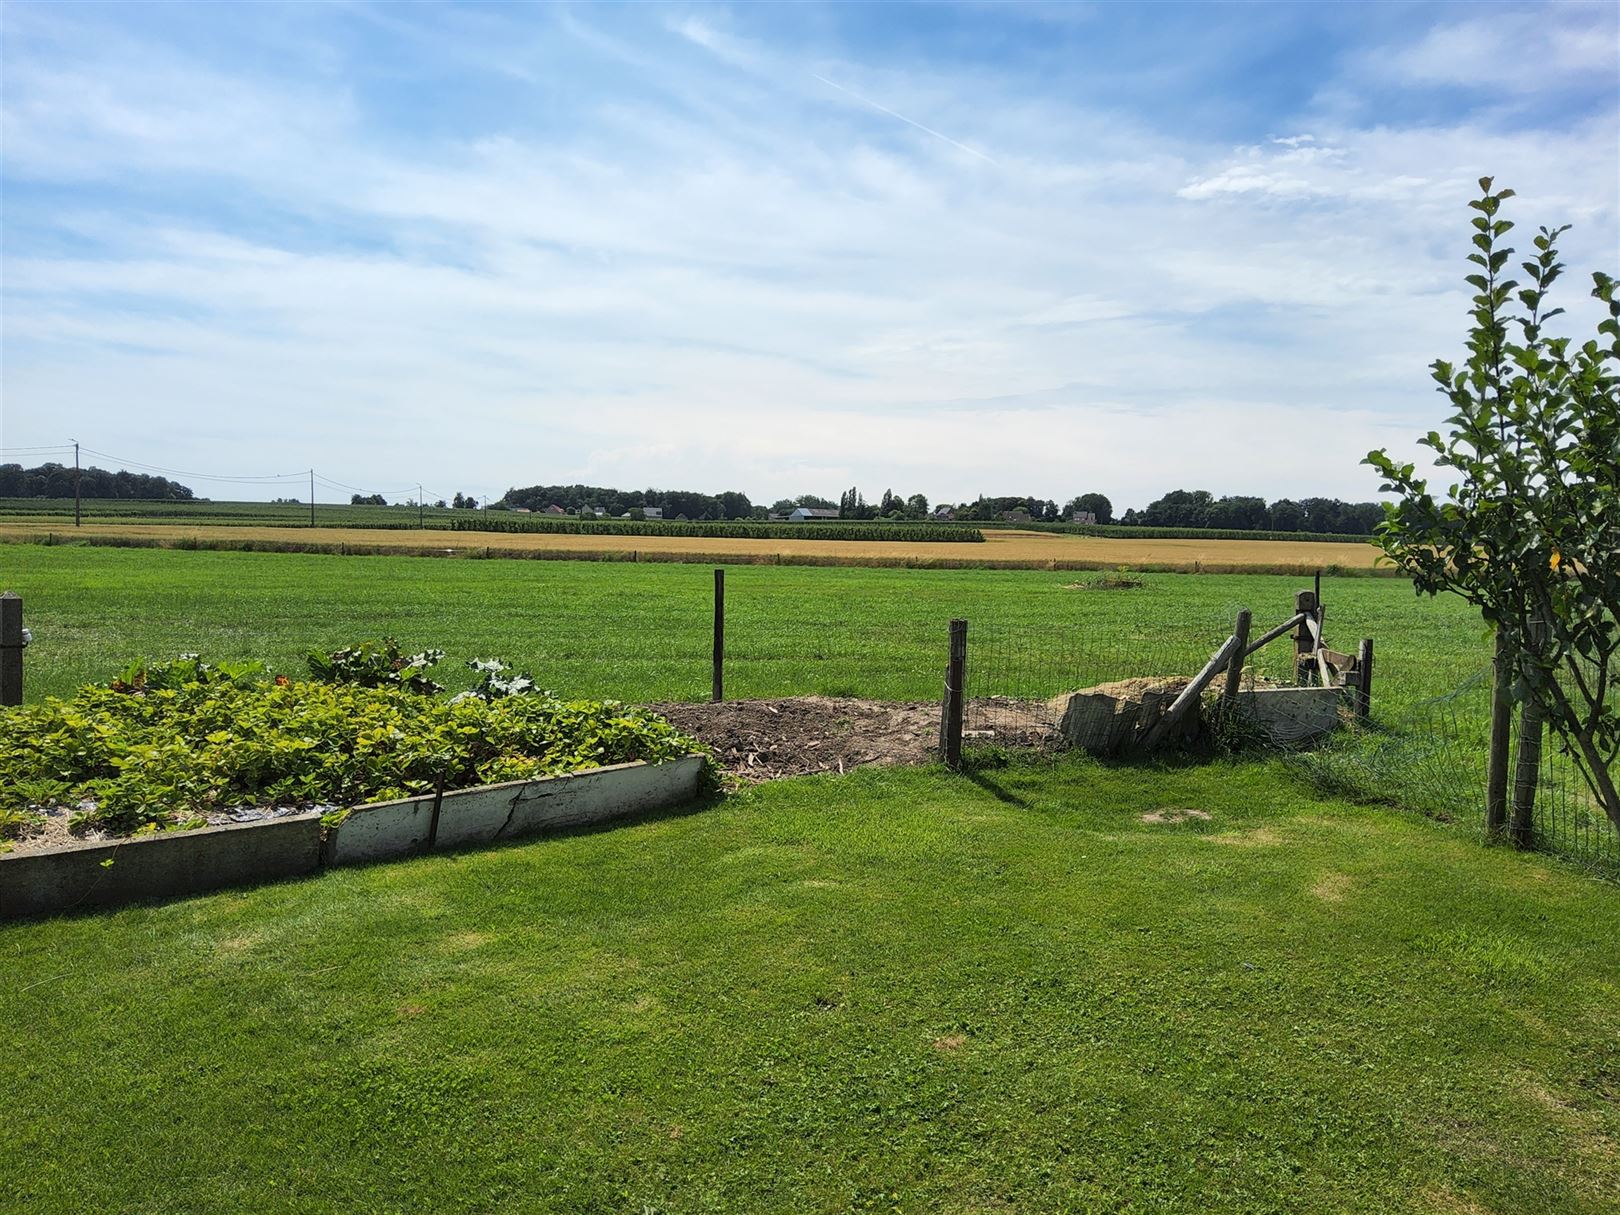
x: 941, y: 248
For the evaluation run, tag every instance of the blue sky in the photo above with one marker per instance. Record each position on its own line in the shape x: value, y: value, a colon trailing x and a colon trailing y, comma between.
x: 1009, y: 248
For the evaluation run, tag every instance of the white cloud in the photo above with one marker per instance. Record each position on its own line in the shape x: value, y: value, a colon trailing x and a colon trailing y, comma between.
x: 728, y: 278
x: 1522, y: 51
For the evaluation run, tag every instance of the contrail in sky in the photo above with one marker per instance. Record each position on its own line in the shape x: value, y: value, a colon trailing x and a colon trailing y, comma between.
x: 913, y: 122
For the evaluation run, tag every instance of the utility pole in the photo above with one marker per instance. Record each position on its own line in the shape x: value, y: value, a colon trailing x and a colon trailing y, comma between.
x: 419, y: 523
x: 312, y: 497
x: 76, y: 478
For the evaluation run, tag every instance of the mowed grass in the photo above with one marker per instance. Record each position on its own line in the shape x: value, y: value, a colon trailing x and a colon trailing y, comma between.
x: 1000, y: 547
x: 893, y: 991
x: 643, y: 632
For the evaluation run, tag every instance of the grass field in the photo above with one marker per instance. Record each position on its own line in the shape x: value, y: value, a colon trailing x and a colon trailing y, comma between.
x: 1001, y: 548
x: 642, y: 632
x: 895, y: 991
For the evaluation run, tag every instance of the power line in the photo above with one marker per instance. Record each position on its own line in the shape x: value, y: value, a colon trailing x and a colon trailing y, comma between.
x: 197, y: 476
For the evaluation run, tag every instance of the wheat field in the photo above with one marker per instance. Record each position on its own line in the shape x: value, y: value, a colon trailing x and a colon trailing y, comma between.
x: 1001, y: 549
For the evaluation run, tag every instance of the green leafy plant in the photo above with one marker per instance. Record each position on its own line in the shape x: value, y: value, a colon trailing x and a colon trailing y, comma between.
x: 378, y: 664
x: 494, y: 683
x: 157, y: 757
x: 1531, y: 532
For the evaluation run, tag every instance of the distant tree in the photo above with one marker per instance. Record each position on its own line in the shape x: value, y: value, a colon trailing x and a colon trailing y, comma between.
x: 813, y: 502
x: 1287, y: 516
x: 440, y: 504
x: 1097, y: 504
x: 917, y: 506
x: 1240, y: 513
x: 367, y: 500
x: 1179, y: 508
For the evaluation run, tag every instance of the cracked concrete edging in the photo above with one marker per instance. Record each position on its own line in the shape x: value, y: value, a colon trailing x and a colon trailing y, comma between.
x: 176, y: 863
x: 509, y: 811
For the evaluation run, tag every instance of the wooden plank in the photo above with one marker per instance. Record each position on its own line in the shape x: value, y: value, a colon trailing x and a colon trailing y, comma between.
x: 1308, y: 637
x: 1267, y: 638
x: 1189, y: 694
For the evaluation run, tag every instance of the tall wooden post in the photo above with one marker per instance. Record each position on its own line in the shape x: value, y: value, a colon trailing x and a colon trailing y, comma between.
x: 719, y: 691
x: 1364, y: 676
x: 1234, y: 670
x: 955, y: 684
x: 1305, y: 640
x: 11, y: 649
x: 1496, y: 780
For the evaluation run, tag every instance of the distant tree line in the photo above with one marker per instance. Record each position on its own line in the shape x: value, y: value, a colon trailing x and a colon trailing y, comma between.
x: 56, y: 481
x: 1180, y: 508
x: 1199, y: 508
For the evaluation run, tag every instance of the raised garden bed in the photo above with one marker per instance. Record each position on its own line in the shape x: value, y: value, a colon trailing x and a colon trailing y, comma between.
x: 233, y: 769
x: 171, y: 863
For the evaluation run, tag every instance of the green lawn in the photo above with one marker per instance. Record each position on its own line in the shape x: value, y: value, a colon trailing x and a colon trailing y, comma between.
x: 898, y: 990
x: 642, y: 632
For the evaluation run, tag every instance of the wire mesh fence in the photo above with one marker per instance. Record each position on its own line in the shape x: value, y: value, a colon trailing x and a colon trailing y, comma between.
x: 1045, y: 689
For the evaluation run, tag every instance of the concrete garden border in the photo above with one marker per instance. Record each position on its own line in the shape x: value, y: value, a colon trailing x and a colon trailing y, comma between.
x: 173, y: 863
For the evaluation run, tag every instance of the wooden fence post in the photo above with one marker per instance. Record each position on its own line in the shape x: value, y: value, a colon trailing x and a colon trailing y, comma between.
x: 1364, y: 676
x: 1496, y: 780
x: 719, y: 690
x: 955, y: 684
x: 11, y: 648
x: 1234, y: 671
x: 1305, y: 640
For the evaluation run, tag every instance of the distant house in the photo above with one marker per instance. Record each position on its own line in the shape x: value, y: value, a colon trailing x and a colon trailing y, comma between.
x: 554, y: 509
x: 652, y: 512
x: 1014, y: 516
x: 809, y: 514
x: 771, y: 517
x: 598, y: 511
x: 944, y: 514
x: 521, y: 510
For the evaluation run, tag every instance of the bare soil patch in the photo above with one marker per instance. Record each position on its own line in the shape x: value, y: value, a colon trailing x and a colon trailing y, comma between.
x: 763, y: 740
x: 1175, y: 814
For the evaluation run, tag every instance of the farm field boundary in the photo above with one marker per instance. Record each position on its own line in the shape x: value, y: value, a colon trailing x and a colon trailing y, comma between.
x: 999, y: 550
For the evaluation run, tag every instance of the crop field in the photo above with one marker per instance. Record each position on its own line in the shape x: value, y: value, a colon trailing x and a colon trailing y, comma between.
x: 642, y: 631
x: 1001, y: 548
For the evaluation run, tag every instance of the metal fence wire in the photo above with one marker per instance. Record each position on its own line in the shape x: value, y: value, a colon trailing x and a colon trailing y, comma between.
x: 1430, y: 757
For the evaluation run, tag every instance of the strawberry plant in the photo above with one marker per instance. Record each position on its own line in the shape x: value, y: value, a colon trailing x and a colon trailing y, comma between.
x: 153, y: 753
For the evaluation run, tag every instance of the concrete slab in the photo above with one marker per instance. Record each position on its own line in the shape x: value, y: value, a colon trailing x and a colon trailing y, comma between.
x: 1291, y: 717
x: 164, y: 865
x: 380, y: 831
